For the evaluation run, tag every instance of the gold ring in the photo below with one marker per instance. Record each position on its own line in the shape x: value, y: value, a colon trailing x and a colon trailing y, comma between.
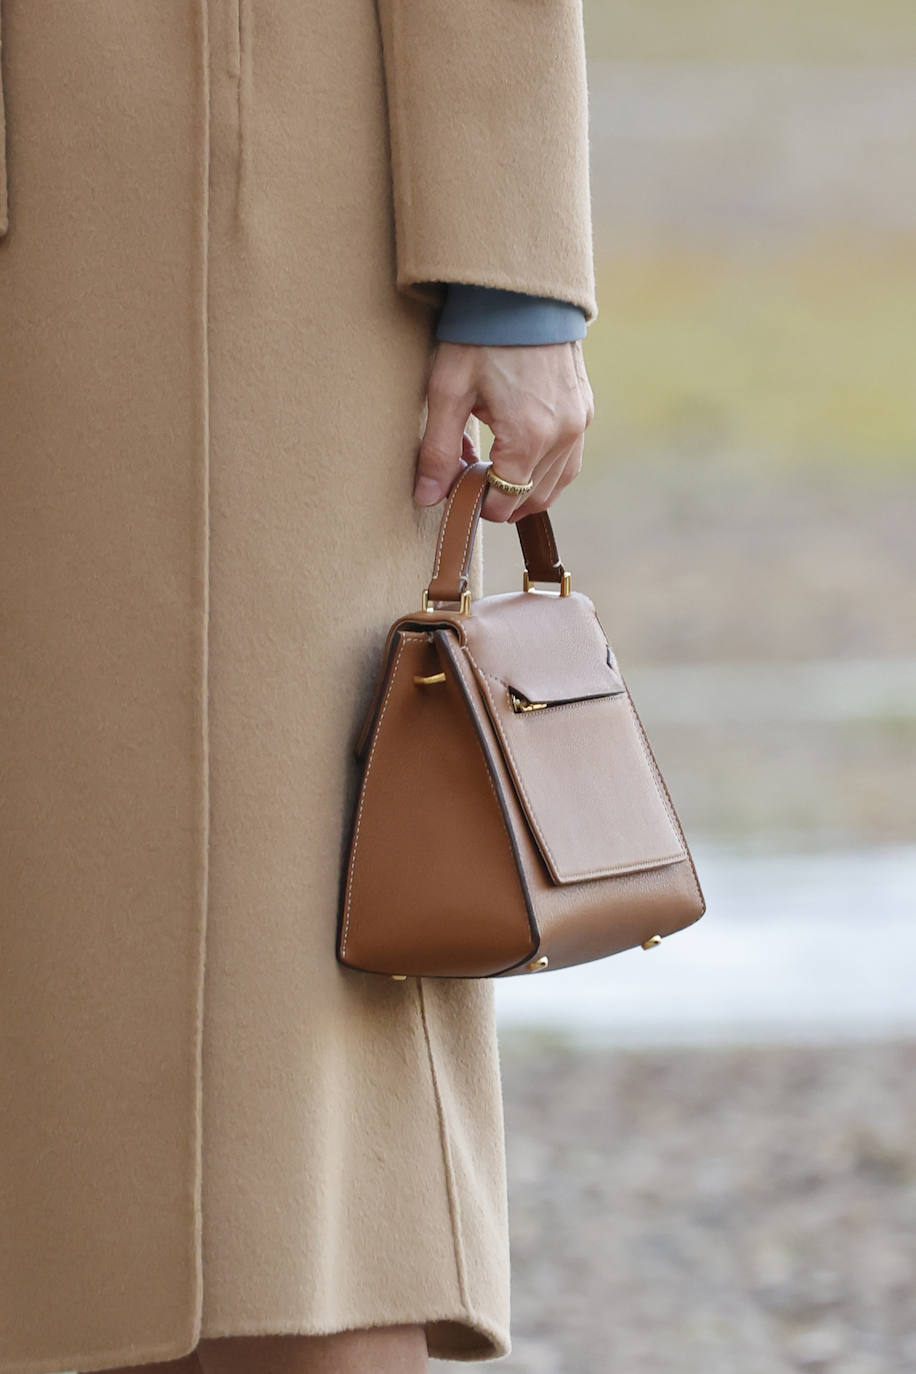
x: 510, y: 488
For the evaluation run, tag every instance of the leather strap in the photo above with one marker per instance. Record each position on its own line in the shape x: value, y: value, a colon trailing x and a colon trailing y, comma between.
x: 459, y: 526
x: 539, y: 548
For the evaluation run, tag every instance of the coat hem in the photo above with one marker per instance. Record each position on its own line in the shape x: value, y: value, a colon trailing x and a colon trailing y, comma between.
x: 109, y: 1359
x: 493, y: 1342
x: 414, y: 279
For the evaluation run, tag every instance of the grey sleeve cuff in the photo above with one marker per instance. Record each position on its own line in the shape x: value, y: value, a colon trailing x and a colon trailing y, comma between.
x: 488, y: 315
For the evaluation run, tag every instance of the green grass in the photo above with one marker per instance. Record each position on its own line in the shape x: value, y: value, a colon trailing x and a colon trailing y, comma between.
x: 801, y: 356
x: 762, y: 30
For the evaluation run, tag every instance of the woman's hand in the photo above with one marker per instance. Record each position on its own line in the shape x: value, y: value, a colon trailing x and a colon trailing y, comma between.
x: 536, y: 399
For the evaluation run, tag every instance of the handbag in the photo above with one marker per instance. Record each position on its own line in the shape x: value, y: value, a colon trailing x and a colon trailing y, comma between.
x: 511, y: 817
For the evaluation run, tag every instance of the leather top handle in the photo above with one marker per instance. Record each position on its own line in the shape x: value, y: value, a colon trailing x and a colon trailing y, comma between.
x: 459, y: 526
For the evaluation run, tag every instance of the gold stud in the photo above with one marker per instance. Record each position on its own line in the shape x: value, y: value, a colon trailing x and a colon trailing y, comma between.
x: 652, y: 941
x: 537, y: 964
x: 398, y: 977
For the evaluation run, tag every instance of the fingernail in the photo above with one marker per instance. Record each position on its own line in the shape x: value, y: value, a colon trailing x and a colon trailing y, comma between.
x: 426, y: 491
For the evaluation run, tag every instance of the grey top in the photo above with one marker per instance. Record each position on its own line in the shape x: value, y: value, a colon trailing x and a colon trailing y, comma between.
x: 488, y: 315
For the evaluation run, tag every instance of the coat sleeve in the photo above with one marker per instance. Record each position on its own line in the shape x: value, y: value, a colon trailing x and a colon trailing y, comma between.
x: 488, y: 124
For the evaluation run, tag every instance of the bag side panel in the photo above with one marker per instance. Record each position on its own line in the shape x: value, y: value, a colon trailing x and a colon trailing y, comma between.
x: 432, y: 887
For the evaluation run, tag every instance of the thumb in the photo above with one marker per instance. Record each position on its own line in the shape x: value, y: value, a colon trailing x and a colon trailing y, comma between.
x: 443, y: 447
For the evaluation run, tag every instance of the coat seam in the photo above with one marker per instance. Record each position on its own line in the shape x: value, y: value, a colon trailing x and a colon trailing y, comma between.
x: 396, y: 99
x: 243, y: 96
x: 454, y: 1203
x: 4, y: 168
x: 205, y: 57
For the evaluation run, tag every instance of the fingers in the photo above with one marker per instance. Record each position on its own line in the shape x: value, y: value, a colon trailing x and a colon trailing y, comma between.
x: 445, y: 444
x: 566, y: 461
x: 545, y: 440
x: 552, y: 479
x: 536, y: 400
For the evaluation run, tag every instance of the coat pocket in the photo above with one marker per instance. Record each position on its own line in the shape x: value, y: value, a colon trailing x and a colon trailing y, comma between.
x: 4, y: 187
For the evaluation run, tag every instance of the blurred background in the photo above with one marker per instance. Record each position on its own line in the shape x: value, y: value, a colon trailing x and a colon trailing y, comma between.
x: 712, y: 1145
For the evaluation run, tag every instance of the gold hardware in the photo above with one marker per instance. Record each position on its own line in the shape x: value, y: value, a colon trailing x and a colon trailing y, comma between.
x: 537, y: 964
x: 520, y: 703
x: 652, y: 941
x: 428, y: 681
x: 464, y: 605
x: 398, y: 977
x: 565, y: 583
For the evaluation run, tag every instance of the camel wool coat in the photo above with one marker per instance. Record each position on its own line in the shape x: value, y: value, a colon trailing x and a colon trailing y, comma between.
x: 225, y: 225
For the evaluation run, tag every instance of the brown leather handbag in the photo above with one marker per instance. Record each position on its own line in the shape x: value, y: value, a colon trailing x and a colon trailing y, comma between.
x: 511, y: 816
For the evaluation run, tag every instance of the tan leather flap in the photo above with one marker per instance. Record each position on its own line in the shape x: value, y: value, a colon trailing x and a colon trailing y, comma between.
x: 581, y: 765
x: 547, y: 646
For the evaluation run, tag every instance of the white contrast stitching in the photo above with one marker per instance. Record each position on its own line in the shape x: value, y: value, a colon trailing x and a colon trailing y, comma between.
x: 672, y: 814
x: 445, y: 521
x: 444, y: 526
x: 499, y: 805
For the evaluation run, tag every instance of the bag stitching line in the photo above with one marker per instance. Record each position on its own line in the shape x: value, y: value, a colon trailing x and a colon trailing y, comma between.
x: 499, y: 806
x: 440, y: 543
x: 675, y: 820
x: 471, y: 526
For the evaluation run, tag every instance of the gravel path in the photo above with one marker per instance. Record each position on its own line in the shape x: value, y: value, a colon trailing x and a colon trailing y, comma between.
x: 725, y: 1211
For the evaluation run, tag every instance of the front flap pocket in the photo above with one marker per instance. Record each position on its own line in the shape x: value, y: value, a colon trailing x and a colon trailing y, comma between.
x: 576, y: 752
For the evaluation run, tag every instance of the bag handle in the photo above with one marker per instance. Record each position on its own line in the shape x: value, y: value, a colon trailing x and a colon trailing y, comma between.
x: 449, y: 581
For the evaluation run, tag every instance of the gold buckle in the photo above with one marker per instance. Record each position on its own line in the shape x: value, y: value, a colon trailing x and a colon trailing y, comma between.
x: 565, y: 584
x: 464, y: 605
